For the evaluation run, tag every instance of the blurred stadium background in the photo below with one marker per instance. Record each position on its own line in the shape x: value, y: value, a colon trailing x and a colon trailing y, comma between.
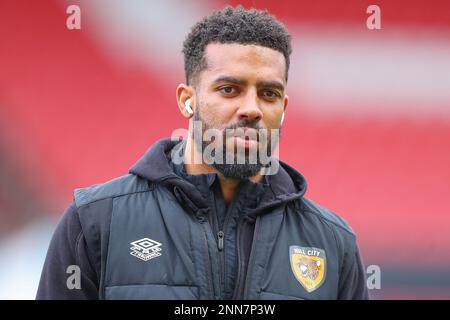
x: 368, y: 122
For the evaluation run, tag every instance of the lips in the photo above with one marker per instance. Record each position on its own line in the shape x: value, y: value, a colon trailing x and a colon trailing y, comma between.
x: 245, y: 142
x: 244, y: 137
x: 244, y: 133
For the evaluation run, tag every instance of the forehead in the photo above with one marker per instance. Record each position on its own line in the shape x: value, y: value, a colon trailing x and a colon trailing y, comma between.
x: 249, y: 62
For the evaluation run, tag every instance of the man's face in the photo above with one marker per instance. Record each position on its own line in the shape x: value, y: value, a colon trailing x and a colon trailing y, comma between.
x: 243, y: 87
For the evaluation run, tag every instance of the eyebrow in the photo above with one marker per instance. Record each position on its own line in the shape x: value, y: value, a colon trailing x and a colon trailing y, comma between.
x: 264, y: 83
x: 271, y: 84
x: 230, y: 79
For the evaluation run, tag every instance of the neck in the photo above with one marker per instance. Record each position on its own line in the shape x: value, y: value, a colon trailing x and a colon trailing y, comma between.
x: 228, y: 186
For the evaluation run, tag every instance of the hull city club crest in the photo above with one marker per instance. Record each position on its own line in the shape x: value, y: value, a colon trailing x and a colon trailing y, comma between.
x: 308, y: 265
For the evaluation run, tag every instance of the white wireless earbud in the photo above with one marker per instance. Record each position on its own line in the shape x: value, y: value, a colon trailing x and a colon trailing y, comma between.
x: 282, y: 118
x: 187, y: 106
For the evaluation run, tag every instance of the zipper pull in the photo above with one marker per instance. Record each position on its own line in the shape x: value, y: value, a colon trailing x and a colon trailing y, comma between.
x: 220, y: 236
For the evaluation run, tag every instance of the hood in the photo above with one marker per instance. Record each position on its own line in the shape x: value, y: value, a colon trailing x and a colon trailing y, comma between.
x: 155, y: 165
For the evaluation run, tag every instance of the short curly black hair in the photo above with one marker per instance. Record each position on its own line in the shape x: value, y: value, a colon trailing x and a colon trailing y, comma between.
x: 234, y: 25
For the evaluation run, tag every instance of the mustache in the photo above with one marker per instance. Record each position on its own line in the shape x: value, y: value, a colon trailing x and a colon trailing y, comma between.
x: 245, y: 123
x: 250, y: 129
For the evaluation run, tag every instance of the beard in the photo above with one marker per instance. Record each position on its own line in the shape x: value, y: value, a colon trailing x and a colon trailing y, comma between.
x: 233, y: 169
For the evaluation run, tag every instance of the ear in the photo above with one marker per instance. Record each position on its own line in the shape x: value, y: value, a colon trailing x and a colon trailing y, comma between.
x: 285, y: 104
x: 183, y: 93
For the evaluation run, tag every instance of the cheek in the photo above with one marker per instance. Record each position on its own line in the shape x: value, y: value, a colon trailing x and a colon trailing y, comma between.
x: 210, y: 116
x: 272, y: 118
x: 216, y: 115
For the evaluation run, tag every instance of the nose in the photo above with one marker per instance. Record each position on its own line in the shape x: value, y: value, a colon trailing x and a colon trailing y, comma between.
x: 250, y: 109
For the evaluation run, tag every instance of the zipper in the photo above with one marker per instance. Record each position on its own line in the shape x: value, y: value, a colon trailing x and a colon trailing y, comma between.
x: 214, y: 225
x: 221, y: 239
x: 220, y: 236
x: 209, y: 267
x: 250, y: 260
x: 220, y: 247
x: 237, y: 289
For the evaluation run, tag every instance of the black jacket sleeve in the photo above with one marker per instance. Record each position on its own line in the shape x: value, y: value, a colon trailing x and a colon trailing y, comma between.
x: 68, y: 249
x: 353, y: 278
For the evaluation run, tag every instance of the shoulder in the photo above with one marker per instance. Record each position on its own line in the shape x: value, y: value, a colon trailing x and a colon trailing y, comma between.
x: 94, y: 205
x: 120, y: 186
x: 338, y: 226
x: 325, y: 214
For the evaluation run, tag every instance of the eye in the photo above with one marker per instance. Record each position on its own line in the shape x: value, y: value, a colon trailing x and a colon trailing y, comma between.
x: 271, y: 94
x: 227, y: 90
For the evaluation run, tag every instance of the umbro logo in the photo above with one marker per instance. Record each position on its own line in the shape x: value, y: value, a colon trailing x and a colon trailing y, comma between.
x: 145, y: 249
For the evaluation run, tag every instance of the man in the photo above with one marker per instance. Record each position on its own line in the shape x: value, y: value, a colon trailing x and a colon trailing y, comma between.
x: 190, y: 224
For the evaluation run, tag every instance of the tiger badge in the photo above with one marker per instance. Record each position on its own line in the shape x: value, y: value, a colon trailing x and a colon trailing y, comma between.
x: 309, y: 266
